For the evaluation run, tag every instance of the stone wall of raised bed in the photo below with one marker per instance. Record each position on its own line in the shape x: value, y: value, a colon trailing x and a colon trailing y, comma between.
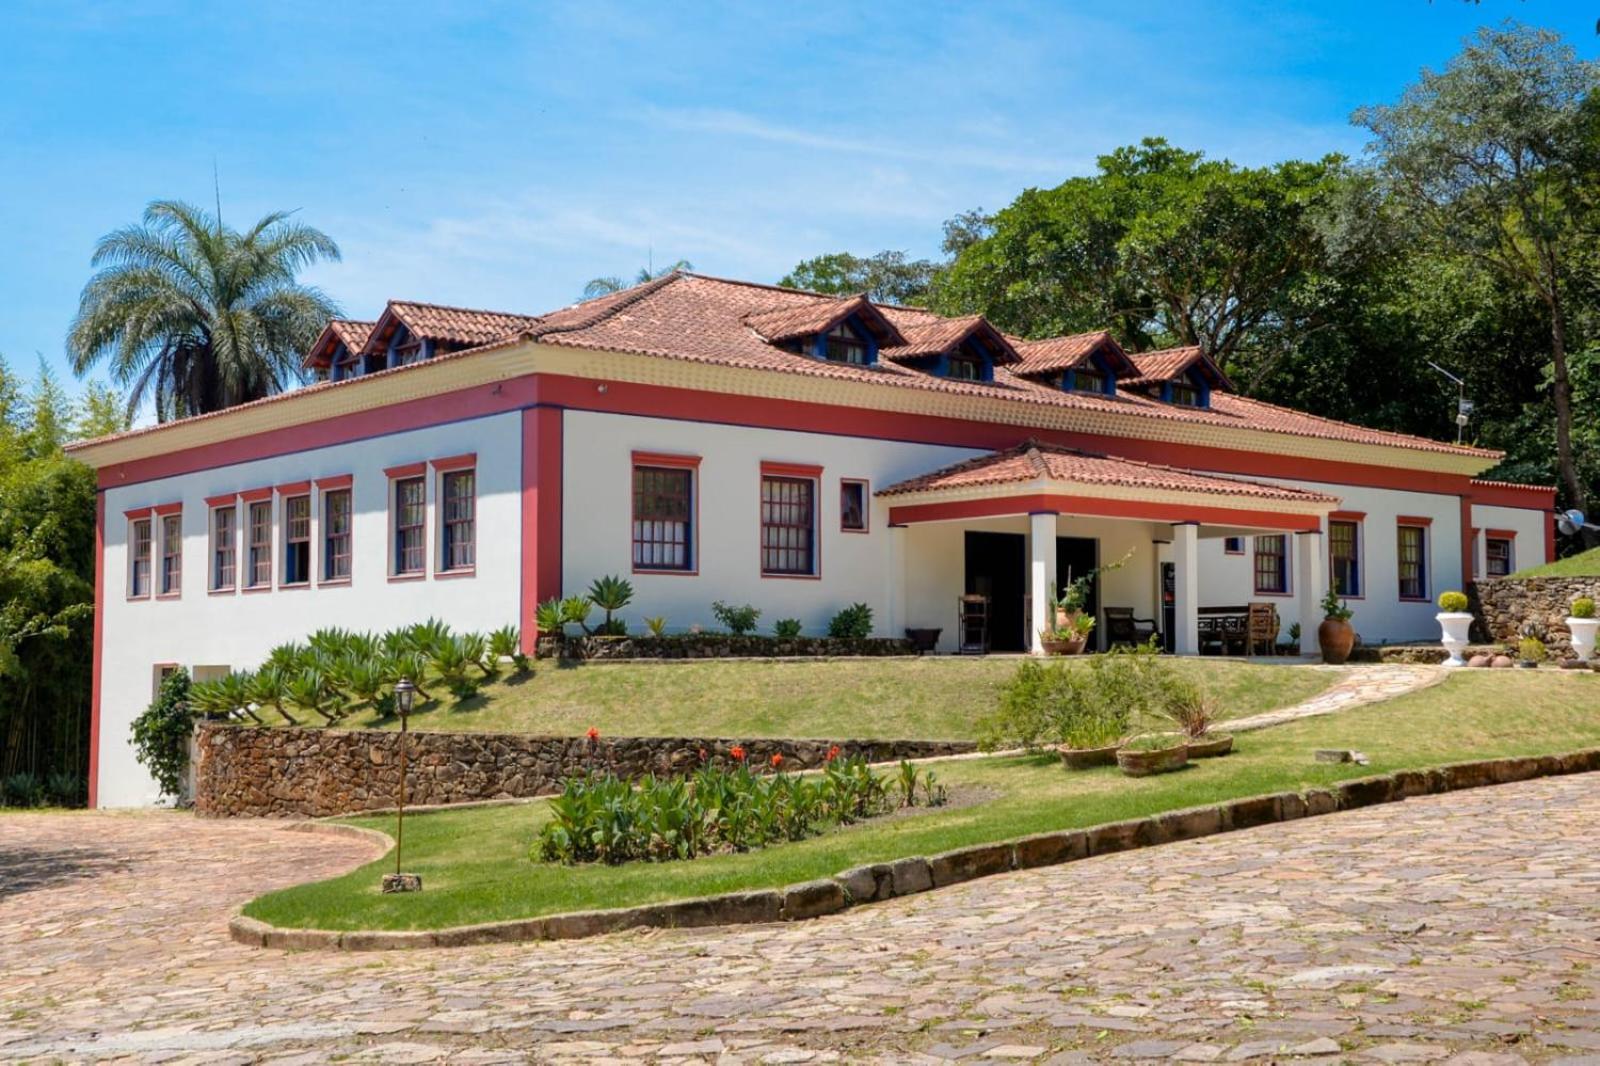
x: 289, y: 772
x: 719, y: 646
x: 1504, y: 604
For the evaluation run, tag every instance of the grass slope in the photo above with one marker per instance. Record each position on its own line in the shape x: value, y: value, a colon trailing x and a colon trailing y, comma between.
x: 937, y: 698
x: 475, y: 863
x: 1584, y: 564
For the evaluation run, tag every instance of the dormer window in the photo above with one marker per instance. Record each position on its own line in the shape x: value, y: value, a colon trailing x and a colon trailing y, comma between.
x: 842, y: 345
x: 1184, y: 395
x: 965, y: 368
x: 1088, y: 381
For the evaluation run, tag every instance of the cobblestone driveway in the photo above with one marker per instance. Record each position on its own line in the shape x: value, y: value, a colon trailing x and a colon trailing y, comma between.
x: 1456, y: 927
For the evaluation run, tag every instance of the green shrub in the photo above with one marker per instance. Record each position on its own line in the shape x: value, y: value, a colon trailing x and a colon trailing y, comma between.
x: 1583, y: 607
x: 1532, y: 650
x: 738, y: 620
x: 1452, y: 602
x: 23, y: 789
x: 1156, y: 742
x: 1334, y: 609
x: 1190, y: 707
x: 506, y: 643
x: 603, y: 818
x: 161, y: 733
x: 657, y: 625
x: 852, y: 623
x: 786, y: 628
x: 611, y: 594
x: 1091, y: 704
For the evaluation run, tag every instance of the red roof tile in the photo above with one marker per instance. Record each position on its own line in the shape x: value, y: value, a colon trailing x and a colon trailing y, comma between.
x: 459, y: 325
x: 353, y: 335
x: 1051, y: 354
x: 790, y: 322
x: 1158, y: 367
x: 1033, y: 461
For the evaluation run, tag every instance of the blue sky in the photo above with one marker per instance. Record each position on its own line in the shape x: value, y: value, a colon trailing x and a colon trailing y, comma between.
x: 500, y: 154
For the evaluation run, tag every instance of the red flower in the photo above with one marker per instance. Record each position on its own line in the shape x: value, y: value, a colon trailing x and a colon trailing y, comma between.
x: 737, y: 751
x: 777, y: 760
x: 594, y: 734
x: 833, y: 753
x: 702, y: 755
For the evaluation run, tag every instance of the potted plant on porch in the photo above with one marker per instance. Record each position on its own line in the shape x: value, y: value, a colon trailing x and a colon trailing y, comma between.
x: 1456, y: 622
x: 1582, y: 623
x: 1068, y: 631
x: 1336, y: 635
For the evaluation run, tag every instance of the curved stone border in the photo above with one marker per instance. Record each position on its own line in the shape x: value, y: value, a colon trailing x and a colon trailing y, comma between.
x: 904, y: 877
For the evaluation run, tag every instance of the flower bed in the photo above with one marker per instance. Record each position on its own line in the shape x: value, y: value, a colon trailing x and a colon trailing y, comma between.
x: 719, y: 646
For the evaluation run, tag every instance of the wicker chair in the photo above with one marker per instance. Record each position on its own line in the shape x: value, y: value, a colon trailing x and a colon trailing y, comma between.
x: 1262, y: 628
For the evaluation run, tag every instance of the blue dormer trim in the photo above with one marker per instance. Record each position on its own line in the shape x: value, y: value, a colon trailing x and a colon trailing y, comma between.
x: 819, y: 343
x: 1196, y: 381
x: 391, y: 355
x: 1108, y: 378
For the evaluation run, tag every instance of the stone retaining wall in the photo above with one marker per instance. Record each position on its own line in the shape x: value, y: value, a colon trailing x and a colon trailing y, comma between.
x: 1504, y: 604
x: 250, y: 771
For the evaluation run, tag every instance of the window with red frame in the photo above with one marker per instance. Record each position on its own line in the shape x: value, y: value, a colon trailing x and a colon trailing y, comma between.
x: 1272, y: 564
x: 171, y: 554
x: 410, y: 526
x: 139, y: 557
x: 297, y: 540
x: 336, y: 518
x: 1497, y: 552
x: 788, y: 525
x: 1413, y: 553
x: 224, y: 552
x: 663, y: 518
x: 260, y: 553
x: 458, y: 536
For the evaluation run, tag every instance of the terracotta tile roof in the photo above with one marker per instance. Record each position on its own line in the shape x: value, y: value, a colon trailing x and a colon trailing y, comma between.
x: 353, y: 335
x: 1033, y: 461
x: 1491, y: 483
x: 1052, y: 354
x: 790, y: 322
x: 1157, y: 367
x: 458, y: 325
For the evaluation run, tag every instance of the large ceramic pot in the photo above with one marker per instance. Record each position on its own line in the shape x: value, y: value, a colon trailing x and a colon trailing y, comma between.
x: 1337, y: 637
x: 1456, y: 626
x: 1059, y: 645
x: 1583, y: 633
x: 1209, y: 747
x: 1159, y: 761
x: 1087, y: 758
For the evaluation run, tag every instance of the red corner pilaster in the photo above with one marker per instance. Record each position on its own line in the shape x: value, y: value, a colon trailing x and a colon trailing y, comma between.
x: 98, y: 651
x: 541, y: 514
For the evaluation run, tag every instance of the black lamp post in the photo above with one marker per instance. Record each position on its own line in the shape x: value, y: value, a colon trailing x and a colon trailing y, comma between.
x: 404, y: 694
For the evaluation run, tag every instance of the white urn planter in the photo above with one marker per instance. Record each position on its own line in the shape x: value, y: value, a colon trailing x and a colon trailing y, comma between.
x: 1456, y: 626
x: 1583, y: 631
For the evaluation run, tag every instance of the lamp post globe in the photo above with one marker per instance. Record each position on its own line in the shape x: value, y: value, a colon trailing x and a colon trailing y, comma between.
x: 404, y: 694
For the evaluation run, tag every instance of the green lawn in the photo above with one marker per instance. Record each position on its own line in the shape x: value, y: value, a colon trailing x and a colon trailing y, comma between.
x: 475, y: 864
x: 1584, y: 564
x: 934, y: 698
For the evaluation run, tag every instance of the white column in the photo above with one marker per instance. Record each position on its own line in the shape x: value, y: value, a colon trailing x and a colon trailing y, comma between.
x: 1311, y: 561
x: 896, y: 580
x: 1186, y: 582
x: 1041, y: 575
x: 1480, y: 554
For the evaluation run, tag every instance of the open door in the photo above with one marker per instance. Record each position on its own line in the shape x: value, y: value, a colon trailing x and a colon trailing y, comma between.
x: 1076, y: 556
x: 997, y: 567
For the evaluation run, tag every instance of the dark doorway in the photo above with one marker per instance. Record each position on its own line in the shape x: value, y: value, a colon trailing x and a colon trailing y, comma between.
x: 997, y: 565
x: 1076, y: 556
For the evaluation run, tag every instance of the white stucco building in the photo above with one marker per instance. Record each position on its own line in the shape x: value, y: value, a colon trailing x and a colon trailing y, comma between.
x: 716, y: 440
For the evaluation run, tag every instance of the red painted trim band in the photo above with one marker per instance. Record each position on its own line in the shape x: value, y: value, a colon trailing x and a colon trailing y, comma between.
x: 341, y: 481
x: 294, y: 488
x: 455, y: 462
x: 226, y: 500
x: 1412, y: 520
x: 409, y: 470
x: 680, y: 462
x: 138, y: 513
x: 256, y: 495
x: 1347, y: 516
x: 790, y: 470
x: 1076, y: 505
x: 1500, y: 534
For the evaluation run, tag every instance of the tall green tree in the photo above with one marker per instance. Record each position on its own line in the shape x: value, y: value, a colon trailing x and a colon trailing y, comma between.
x: 888, y: 277
x: 195, y: 316
x: 1494, y: 158
x: 1162, y: 246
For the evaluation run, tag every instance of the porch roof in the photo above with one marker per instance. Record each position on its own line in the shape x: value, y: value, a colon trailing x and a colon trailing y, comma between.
x: 1034, y: 477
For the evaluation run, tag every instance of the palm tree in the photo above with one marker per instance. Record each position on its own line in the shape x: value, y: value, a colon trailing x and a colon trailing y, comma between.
x: 196, y: 316
x: 613, y: 283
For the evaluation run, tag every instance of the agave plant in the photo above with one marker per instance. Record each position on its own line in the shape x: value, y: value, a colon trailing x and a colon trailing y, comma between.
x: 269, y: 687
x: 548, y: 617
x: 611, y: 594
x: 290, y: 658
x: 575, y: 611
x: 450, y: 662
x: 234, y: 694
x: 475, y: 649
x: 366, y: 678
x: 506, y: 643
x: 412, y: 666
x: 428, y: 637
x: 333, y: 642
x: 308, y: 690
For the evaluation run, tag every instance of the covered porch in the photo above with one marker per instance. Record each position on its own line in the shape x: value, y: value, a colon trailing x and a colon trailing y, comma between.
x: 1016, y: 527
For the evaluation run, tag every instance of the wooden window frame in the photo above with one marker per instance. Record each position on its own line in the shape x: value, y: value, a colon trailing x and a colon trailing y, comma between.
x: 666, y: 461
x: 327, y: 489
x: 445, y: 470
x: 216, y: 505
x: 793, y: 472
x: 965, y: 360
x: 397, y: 475
x: 1508, y: 537
x: 288, y: 496
x: 1284, y: 567
x: 866, y: 505
x: 172, y: 573
x: 247, y: 531
x: 1358, y: 547
x: 147, y: 518
x: 1233, y: 551
x: 1421, y: 525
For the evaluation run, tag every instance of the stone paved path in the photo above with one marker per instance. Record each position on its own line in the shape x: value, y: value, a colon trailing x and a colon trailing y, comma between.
x: 1461, y: 927
x: 1360, y: 685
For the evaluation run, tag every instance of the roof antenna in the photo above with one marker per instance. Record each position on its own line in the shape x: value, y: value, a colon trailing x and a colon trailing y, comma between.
x: 1463, y: 405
